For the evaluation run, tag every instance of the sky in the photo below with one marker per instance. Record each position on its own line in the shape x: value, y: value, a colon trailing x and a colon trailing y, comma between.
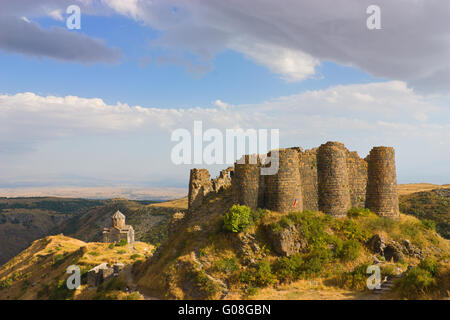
x: 96, y: 106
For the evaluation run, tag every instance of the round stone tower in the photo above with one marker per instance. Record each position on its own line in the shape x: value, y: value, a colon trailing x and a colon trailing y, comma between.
x: 283, y: 191
x: 382, y: 195
x: 246, y: 182
x: 334, y: 191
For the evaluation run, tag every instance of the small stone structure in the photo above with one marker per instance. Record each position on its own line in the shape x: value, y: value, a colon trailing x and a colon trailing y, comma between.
x: 99, y: 274
x: 103, y: 272
x: 119, y: 230
x: 329, y: 178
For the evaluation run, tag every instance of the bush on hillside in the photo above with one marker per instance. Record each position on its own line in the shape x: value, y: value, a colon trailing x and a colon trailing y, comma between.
x: 359, y: 212
x: 237, y: 218
x: 121, y: 243
x: 351, y: 250
x: 259, y: 276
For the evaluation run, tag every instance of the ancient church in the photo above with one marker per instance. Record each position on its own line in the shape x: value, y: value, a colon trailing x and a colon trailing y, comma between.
x: 119, y: 230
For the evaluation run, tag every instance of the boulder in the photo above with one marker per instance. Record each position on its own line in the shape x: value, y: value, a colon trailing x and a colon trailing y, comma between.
x: 393, y: 252
x: 287, y: 241
x: 377, y: 244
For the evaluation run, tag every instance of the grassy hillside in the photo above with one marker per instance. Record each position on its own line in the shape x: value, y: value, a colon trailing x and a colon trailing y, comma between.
x: 23, y: 220
x: 201, y: 260
x: 433, y: 205
x: 149, y: 220
x: 39, y: 272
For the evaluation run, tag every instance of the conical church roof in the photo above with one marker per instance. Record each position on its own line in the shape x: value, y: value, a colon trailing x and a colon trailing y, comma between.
x: 118, y: 215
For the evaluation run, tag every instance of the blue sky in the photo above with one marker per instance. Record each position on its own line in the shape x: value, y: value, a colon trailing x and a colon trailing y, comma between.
x: 70, y: 100
x: 232, y: 77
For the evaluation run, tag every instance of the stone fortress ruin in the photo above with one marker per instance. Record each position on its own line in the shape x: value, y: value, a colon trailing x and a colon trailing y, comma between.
x: 328, y: 178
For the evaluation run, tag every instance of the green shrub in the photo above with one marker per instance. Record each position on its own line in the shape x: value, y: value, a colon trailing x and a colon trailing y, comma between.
x: 355, y: 279
x: 257, y: 215
x: 135, y: 256
x: 6, y: 283
x: 315, y: 261
x: 111, y: 246
x: 351, y: 250
x: 121, y: 243
x: 429, y: 264
x: 429, y: 224
x: 289, y: 268
x: 359, y: 212
x: 94, y: 253
x: 259, y: 276
x: 416, y: 283
x: 351, y: 230
x: 388, y: 271
x: 237, y: 219
x: 227, y: 265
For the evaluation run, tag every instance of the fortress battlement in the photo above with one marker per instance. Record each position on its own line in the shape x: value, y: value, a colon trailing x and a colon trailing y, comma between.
x: 329, y: 178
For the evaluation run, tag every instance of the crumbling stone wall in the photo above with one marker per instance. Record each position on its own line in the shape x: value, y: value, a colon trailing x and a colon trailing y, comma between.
x: 382, y: 195
x: 308, y: 176
x: 357, y: 179
x: 199, y: 186
x: 282, y: 188
x: 334, y: 192
x: 246, y: 182
x: 223, y: 181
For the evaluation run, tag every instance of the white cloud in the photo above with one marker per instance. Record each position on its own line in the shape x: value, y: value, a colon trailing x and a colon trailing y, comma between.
x: 289, y: 37
x: 292, y: 65
x: 73, y: 133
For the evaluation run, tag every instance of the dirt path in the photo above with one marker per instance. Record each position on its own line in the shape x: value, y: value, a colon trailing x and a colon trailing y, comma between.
x: 133, y: 287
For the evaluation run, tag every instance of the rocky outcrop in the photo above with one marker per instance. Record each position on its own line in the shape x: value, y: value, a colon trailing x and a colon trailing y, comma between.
x: 377, y: 244
x: 393, y: 250
x: 287, y: 241
x: 248, y: 247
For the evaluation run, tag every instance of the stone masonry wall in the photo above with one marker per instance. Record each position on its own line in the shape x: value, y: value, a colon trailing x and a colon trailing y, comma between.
x: 382, y: 195
x: 334, y: 192
x: 282, y: 188
x: 357, y: 179
x: 308, y: 175
x: 199, y: 186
